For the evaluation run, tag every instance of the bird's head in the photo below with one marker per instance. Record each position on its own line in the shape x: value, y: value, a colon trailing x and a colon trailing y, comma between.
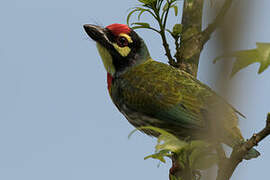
x: 119, y: 46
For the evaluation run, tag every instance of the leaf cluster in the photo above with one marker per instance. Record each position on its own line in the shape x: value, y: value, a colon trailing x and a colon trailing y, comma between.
x: 159, y: 10
x: 198, y: 155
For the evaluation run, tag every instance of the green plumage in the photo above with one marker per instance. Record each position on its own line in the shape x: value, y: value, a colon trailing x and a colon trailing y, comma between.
x: 173, y: 100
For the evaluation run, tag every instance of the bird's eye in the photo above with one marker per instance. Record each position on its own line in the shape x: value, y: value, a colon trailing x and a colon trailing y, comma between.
x: 122, y: 41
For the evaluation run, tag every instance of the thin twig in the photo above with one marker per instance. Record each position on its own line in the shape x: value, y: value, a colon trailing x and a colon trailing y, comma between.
x: 229, y: 165
x: 164, y: 40
x: 166, y: 15
x: 154, y: 29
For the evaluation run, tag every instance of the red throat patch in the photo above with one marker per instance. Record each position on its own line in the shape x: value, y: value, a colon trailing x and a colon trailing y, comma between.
x: 117, y: 29
x: 109, y: 82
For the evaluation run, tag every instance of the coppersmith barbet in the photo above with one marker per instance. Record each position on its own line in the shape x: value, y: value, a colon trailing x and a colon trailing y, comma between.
x: 151, y: 93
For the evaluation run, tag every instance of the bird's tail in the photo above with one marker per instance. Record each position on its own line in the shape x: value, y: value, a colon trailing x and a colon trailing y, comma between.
x: 252, y: 153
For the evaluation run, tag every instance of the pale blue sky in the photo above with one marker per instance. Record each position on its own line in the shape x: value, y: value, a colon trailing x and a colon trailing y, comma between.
x: 56, y: 118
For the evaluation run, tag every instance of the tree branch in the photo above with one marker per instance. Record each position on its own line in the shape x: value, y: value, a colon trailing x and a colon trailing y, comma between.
x: 193, y: 38
x: 227, y: 168
x: 217, y: 22
x: 189, y: 52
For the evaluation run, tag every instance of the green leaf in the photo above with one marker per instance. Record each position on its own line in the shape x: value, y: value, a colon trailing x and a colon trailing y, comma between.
x: 246, y: 57
x: 175, y: 10
x: 142, y: 11
x: 165, y: 141
x: 159, y: 155
x: 148, y: 2
x: 264, y: 55
x: 177, y: 29
x: 145, y: 1
x: 197, y: 154
x: 137, y: 27
x: 166, y: 6
x: 132, y: 12
x: 142, y: 25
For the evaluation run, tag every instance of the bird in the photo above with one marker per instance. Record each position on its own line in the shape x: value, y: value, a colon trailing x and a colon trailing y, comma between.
x: 152, y: 93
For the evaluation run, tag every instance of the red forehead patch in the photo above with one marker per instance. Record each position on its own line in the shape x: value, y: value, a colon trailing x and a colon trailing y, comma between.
x: 117, y: 29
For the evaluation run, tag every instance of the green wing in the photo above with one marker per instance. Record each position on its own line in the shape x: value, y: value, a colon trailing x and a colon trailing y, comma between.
x: 171, y: 95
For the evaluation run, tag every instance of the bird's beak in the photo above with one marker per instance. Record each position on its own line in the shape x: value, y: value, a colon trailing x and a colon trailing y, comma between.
x: 97, y: 33
x: 104, y: 45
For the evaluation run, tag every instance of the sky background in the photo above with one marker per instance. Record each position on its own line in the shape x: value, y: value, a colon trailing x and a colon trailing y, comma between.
x: 57, y: 120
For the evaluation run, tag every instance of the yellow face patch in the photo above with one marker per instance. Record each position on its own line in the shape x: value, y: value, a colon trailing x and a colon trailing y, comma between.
x: 124, y: 51
x: 106, y: 58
